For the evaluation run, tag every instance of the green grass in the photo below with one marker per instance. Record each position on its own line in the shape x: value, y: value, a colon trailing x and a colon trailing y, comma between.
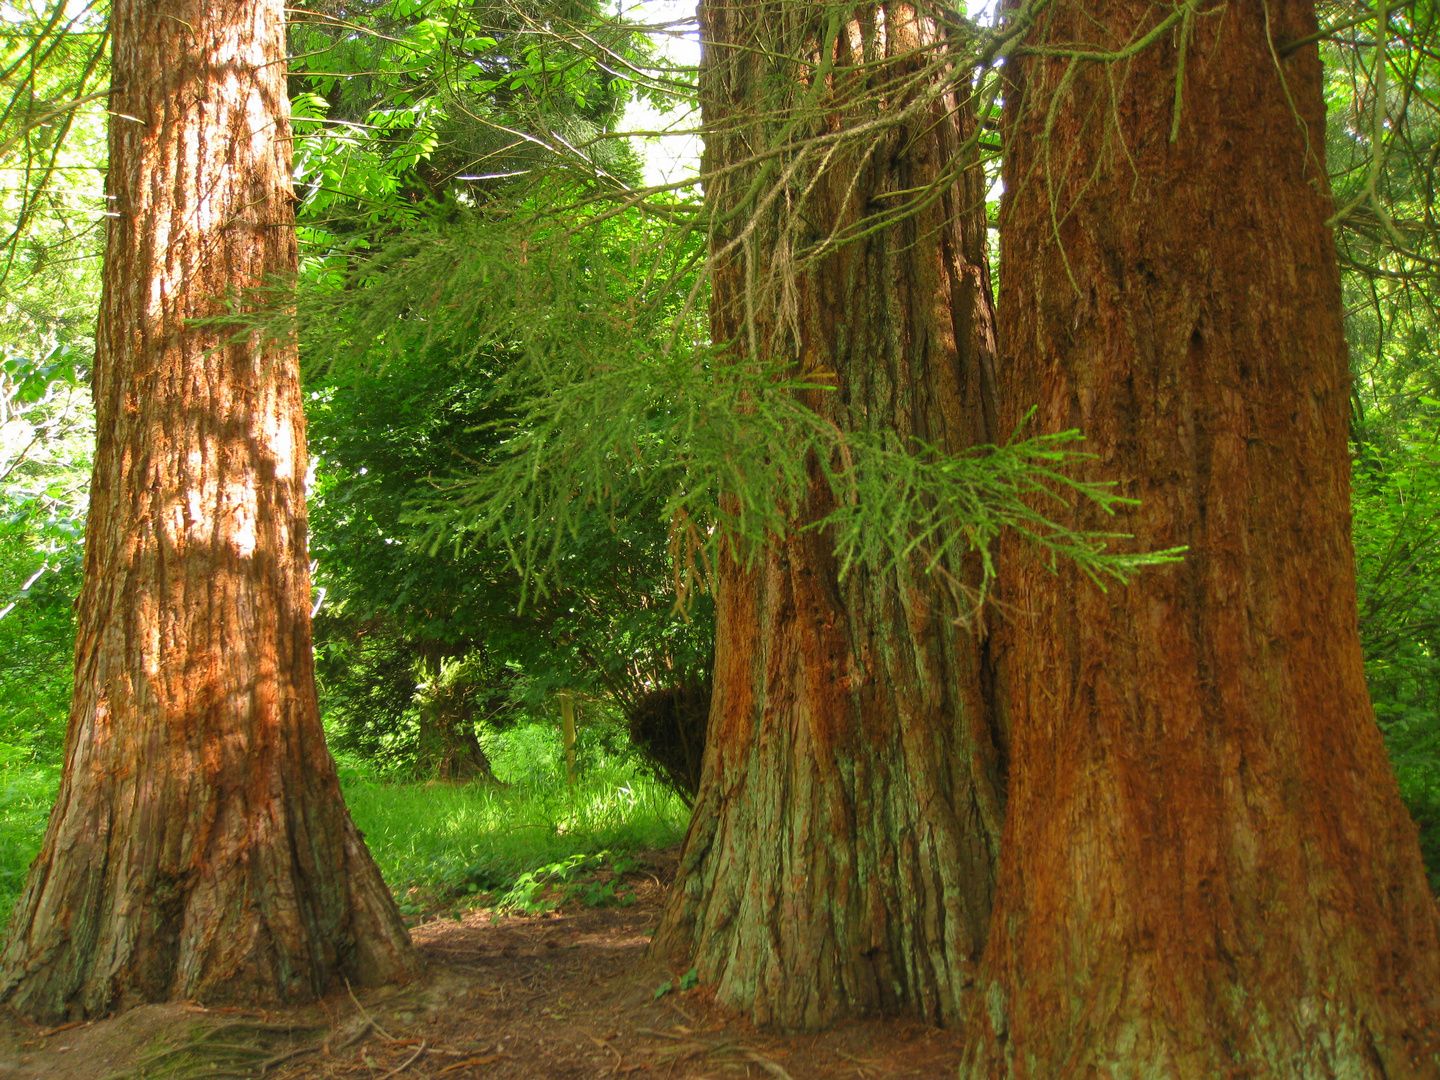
x: 444, y: 846
x: 438, y: 844
x: 26, y: 794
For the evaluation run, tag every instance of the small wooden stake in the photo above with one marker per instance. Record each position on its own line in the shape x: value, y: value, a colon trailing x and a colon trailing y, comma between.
x: 567, y: 727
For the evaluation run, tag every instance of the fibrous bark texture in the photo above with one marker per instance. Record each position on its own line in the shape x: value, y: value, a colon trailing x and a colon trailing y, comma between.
x: 840, y: 859
x: 1207, y: 871
x: 199, y: 847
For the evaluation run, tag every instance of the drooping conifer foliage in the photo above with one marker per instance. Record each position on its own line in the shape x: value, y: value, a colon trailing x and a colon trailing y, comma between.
x: 799, y: 424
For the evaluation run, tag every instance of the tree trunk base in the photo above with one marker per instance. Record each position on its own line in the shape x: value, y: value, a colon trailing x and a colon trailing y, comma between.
x: 841, y: 856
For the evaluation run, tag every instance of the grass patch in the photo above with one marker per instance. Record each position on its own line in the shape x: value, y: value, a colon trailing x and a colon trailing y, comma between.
x: 447, y: 847
x: 27, y: 792
x: 444, y: 847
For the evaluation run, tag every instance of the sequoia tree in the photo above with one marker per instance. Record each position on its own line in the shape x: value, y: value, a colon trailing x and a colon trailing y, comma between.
x: 1207, y: 871
x: 840, y: 858
x: 199, y: 846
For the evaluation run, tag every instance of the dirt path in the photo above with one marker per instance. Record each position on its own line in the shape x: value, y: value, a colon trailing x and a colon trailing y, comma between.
x: 570, y: 995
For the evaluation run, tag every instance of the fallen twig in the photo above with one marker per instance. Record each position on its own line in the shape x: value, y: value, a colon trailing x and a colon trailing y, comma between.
x: 484, y: 1059
x: 406, y: 1063
x: 769, y: 1066
x: 688, y: 1018
x: 365, y: 1014
x: 619, y: 1060
x: 366, y: 1024
x: 216, y: 1053
x: 288, y: 1055
x: 62, y: 1027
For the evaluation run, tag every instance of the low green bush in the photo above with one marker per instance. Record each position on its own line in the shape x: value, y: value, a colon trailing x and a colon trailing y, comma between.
x: 1413, y: 739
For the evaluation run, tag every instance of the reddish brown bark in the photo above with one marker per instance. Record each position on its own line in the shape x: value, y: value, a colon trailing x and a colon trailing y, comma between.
x: 841, y: 853
x: 199, y: 847
x: 1207, y: 868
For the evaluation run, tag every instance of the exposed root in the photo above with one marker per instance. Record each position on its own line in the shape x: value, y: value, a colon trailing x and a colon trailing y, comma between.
x: 619, y: 1057
x: 771, y: 1067
x: 234, y: 1051
x: 369, y: 1020
x: 688, y: 1047
x: 406, y: 1063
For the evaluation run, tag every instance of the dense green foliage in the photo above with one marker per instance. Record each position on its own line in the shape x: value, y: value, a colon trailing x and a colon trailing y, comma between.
x: 53, y: 64
x: 1384, y: 131
x: 27, y: 791
x: 442, y: 115
x: 380, y: 442
x: 43, y: 484
x: 1397, y: 553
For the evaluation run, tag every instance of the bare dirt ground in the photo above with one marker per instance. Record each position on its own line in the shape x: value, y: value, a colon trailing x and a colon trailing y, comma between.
x: 568, y: 995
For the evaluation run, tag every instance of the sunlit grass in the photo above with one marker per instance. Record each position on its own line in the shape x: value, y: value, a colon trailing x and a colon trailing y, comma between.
x: 26, y: 794
x: 430, y: 839
x: 433, y: 842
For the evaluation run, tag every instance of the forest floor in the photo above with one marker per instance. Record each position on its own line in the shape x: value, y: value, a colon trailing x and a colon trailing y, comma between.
x: 563, y: 996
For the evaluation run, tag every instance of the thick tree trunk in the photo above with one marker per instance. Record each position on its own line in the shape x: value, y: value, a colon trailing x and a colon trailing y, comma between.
x: 199, y: 847
x: 841, y: 854
x: 1208, y: 871
x: 449, y: 747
